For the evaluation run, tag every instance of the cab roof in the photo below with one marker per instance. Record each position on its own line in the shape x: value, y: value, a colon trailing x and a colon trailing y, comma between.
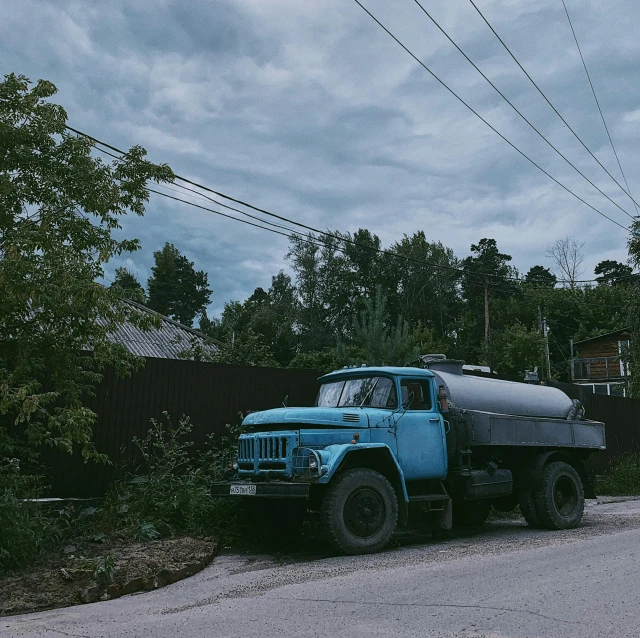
x: 373, y: 370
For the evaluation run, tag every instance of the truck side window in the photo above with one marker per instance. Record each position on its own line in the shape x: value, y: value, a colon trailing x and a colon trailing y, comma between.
x: 384, y: 395
x: 420, y: 392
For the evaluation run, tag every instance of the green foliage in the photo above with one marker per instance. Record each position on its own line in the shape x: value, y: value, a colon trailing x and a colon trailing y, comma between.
x: 516, y: 349
x: 104, y: 572
x: 540, y: 276
x: 167, y: 490
x: 176, y: 288
x: 612, y: 272
x: 59, y: 207
x: 623, y: 479
x: 25, y: 531
x: 127, y: 286
x: 382, y: 343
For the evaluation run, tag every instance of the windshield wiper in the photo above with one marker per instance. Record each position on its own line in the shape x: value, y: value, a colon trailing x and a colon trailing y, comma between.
x: 373, y: 387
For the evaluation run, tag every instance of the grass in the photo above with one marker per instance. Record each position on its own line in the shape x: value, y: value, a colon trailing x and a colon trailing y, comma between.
x: 623, y: 479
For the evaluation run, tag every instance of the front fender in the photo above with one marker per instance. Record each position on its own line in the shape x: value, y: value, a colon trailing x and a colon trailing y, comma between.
x: 334, y: 457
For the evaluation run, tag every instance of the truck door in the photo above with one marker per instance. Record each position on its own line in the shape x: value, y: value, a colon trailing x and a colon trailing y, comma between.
x: 421, y: 438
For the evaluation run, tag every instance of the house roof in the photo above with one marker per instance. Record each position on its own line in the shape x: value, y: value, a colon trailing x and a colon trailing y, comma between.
x: 167, y: 342
x: 623, y: 331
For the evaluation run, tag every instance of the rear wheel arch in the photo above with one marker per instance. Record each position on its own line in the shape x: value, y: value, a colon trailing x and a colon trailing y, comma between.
x: 572, y: 458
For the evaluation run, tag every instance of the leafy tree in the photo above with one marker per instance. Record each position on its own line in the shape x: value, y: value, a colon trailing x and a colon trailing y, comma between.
x: 176, y: 288
x: 487, y: 278
x: 612, y: 272
x: 381, y: 342
x: 516, y: 349
x: 126, y: 285
x: 59, y: 206
x: 540, y: 276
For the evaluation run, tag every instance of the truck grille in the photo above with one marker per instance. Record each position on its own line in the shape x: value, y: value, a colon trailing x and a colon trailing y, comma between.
x: 264, y: 451
x: 272, y: 448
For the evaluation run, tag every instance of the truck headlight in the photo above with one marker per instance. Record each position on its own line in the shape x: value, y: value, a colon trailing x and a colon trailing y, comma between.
x: 313, y: 462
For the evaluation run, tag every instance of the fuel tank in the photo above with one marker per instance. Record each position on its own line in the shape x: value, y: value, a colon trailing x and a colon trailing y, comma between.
x: 494, y: 395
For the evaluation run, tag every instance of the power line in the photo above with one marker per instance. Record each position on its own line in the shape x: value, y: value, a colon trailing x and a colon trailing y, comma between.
x: 512, y: 105
x: 606, y: 128
x: 423, y: 65
x: 97, y: 142
x: 626, y: 192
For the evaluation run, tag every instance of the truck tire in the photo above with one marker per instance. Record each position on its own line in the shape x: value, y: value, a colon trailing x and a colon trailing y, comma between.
x: 528, y: 509
x: 470, y: 513
x: 360, y: 511
x: 559, y: 502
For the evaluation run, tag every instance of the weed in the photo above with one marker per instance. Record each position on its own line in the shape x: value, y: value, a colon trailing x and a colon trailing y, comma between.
x: 623, y: 479
x: 104, y: 572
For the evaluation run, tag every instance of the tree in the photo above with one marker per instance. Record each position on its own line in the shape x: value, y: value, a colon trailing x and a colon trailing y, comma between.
x: 487, y: 276
x: 540, y: 276
x: 567, y: 257
x: 59, y: 206
x: 176, y: 288
x: 382, y: 342
x: 517, y: 349
x: 127, y: 286
x: 612, y: 272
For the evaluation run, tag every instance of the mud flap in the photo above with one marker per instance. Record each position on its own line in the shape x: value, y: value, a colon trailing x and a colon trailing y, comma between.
x: 442, y: 520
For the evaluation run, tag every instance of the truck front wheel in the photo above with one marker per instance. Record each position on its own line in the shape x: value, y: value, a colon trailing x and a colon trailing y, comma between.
x: 559, y: 502
x: 360, y: 511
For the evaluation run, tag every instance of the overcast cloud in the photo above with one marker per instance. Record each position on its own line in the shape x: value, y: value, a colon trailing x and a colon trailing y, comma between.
x: 310, y: 110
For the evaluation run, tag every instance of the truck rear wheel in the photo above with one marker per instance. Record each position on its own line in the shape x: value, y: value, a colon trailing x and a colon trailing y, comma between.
x: 559, y: 502
x: 528, y: 509
x: 360, y: 511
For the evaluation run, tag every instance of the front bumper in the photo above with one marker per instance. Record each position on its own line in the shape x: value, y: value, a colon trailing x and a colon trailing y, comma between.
x: 266, y: 489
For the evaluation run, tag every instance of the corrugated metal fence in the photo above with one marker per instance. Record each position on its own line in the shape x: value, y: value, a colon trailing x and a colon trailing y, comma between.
x: 211, y: 394
x: 622, y: 420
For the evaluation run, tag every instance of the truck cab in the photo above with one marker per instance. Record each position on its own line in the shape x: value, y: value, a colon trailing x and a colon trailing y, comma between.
x: 376, y: 440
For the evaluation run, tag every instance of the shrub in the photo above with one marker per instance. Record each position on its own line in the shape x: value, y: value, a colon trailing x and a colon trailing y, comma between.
x: 24, y: 530
x: 167, y: 491
x: 623, y: 479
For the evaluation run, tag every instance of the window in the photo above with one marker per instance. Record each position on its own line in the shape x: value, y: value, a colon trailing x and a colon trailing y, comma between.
x: 416, y: 394
x: 375, y: 392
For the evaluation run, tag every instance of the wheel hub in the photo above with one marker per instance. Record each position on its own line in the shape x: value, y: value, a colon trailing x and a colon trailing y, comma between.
x: 364, y: 512
x: 565, y: 496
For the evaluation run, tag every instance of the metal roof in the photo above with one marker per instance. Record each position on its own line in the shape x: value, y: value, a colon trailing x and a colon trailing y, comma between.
x: 167, y: 342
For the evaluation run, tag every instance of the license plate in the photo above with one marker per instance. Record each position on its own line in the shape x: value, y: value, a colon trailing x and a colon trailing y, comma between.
x: 243, y: 490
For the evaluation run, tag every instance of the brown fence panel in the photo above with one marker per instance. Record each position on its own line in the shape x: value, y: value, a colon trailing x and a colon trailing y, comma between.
x: 211, y: 394
x: 622, y: 427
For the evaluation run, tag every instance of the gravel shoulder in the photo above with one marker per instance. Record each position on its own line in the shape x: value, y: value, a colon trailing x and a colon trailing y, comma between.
x: 236, y: 584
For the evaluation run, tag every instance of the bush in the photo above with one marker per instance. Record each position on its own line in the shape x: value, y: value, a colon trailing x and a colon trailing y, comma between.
x: 24, y: 530
x: 623, y: 479
x: 167, y: 492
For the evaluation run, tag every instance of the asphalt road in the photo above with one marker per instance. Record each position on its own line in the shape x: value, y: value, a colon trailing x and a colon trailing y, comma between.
x: 507, y: 581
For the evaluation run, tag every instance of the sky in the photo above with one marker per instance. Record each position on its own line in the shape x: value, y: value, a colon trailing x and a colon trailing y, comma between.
x: 310, y: 110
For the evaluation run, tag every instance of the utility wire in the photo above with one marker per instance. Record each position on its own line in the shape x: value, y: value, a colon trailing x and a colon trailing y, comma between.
x: 626, y: 192
x: 424, y: 66
x: 97, y: 142
x: 512, y: 105
x: 595, y: 97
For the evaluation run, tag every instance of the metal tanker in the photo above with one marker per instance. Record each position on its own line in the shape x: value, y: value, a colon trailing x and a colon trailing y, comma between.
x: 497, y: 396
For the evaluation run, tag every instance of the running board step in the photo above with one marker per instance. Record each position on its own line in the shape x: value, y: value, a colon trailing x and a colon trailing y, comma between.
x: 428, y: 497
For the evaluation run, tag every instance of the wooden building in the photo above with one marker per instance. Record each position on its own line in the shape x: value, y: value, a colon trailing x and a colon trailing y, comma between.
x: 602, y: 363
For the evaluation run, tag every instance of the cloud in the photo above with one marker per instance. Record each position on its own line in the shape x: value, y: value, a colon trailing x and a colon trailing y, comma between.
x: 311, y: 111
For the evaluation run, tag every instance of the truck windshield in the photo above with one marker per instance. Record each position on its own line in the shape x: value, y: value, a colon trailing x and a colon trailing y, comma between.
x: 375, y: 392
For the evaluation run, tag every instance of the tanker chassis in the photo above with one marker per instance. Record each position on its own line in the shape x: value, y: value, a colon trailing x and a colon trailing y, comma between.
x: 380, y: 439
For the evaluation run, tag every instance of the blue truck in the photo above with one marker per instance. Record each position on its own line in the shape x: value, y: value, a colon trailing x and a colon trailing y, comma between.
x: 380, y: 439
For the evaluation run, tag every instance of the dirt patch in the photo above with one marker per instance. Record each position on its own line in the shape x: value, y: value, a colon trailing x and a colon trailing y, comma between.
x: 88, y: 572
